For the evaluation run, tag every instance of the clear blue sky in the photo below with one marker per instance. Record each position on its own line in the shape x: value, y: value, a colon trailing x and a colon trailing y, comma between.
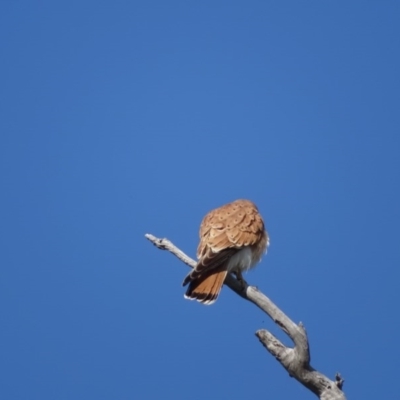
x: 130, y: 117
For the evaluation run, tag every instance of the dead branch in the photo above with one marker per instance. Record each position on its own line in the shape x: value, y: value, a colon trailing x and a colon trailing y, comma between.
x: 296, y: 360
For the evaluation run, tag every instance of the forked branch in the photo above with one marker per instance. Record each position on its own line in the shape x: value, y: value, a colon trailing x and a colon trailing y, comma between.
x: 296, y: 360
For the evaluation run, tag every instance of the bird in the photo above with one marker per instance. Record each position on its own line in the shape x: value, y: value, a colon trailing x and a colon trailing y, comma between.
x: 233, y: 239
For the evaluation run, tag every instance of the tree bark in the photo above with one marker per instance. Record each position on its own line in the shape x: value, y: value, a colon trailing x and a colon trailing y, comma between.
x: 296, y: 360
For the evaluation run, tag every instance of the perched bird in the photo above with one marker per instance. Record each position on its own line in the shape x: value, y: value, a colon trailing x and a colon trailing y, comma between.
x: 232, y: 239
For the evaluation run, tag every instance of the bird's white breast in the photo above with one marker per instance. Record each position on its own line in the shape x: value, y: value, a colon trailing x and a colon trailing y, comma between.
x: 242, y: 260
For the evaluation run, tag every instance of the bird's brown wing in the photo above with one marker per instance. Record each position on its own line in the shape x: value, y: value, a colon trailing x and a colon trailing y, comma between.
x: 209, y: 263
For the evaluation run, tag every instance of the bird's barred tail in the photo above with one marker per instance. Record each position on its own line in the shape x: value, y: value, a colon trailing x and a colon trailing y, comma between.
x: 206, y: 289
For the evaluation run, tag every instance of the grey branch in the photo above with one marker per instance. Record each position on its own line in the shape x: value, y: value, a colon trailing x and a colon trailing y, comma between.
x: 296, y: 360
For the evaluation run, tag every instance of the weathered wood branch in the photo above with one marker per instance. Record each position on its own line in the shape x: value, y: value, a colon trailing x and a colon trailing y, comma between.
x: 296, y: 360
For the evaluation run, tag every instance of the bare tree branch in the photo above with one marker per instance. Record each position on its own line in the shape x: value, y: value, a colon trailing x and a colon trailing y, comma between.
x: 296, y: 360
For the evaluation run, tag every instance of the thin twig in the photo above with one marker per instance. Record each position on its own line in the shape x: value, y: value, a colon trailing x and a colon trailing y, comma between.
x: 295, y: 360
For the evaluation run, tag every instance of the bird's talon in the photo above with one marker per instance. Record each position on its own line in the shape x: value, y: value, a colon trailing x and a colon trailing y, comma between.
x: 240, y: 279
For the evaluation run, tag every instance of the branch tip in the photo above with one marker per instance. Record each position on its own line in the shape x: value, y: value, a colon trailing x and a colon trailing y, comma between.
x: 339, y: 381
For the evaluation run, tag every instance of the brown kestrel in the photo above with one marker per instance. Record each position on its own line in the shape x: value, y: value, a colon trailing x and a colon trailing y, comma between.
x: 232, y: 239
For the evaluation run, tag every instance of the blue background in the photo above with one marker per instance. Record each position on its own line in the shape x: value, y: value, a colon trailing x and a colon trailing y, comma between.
x: 131, y: 117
